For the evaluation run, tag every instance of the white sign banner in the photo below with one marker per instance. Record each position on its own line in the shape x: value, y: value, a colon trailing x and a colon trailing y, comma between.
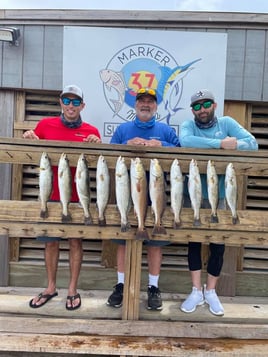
x: 111, y: 64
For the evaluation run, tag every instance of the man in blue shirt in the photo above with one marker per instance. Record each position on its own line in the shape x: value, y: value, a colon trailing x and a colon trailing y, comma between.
x: 146, y: 131
x: 207, y: 131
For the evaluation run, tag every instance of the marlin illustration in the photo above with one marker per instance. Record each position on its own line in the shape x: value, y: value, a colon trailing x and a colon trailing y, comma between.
x: 114, y: 80
x: 170, y: 86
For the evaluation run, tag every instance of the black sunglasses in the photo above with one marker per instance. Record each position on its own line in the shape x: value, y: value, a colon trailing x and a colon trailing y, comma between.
x: 205, y: 105
x: 75, y: 102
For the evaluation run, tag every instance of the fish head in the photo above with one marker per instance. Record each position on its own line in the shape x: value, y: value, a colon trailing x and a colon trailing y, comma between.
x: 44, y: 161
x: 137, y: 168
x: 105, y: 75
x: 156, y: 169
x: 64, y: 157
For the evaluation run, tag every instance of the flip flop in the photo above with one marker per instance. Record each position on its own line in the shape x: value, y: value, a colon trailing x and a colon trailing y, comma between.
x: 42, y: 296
x: 72, y: 298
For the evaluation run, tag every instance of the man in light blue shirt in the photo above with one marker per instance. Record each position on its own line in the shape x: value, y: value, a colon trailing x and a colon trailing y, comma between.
x: 207, y: 131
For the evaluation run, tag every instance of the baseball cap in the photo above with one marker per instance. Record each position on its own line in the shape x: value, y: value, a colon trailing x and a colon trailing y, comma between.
x: 146, y: 91
x: 202, y: 94
x: 72, y: 89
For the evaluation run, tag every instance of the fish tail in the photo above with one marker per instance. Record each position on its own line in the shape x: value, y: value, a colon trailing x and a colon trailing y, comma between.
x: 197, y: 222
x: 66, y: 218
x: 125, y: 227
x: 142, y: 234
x: 88, y: 220
x: 214, y: 218
x: 102, y: 222
x: 235, y: 220
x: 159, y: 230
x: 44, y: 213
x: 176, y: 224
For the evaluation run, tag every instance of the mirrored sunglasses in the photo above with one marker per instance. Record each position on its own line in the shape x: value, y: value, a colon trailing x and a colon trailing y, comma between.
x: 207, y: 104
x: 75, y: 102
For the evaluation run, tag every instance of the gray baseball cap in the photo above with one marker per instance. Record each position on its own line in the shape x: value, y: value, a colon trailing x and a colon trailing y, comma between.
x: 72, y: 89
x: 202, y: 94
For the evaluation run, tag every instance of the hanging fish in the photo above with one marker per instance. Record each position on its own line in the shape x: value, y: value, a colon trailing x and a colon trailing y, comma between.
x: 103, y: 188
x: 82, y: 182
x: 139, y: 195
x: 157, y: 195
x: 212, y: 185
x: 65, y: 186
x: 45, y: 183
x: 231, y: 191
x: 122, y: 192
x: 195, y: 190
x: 176, y: 192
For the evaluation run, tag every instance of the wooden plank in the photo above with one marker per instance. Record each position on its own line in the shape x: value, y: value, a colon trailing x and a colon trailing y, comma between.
x: 227, y: 280
x: 18, y: 218
x: 246, y: 162
x: 127, y: 346
x: 63, y: 326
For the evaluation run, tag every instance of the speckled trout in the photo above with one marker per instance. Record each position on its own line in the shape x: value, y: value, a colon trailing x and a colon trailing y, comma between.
x: 45, y: 183
x: 212, y: 185
x: 65, y: 186
x: 195, y: 190
x: 139, y: 195
x: 176, y: 192
x: 231, y: 191
x: 103, y: 188
x: 82, y: 183
x: 122, y: 192
x: 157, y: 195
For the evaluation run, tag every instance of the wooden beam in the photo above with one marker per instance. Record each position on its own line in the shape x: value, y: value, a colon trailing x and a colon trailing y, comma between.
x: 129, y: 346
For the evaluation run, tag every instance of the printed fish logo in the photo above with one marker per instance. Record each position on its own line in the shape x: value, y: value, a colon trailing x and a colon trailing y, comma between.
x: 170, y: 86
x: 114, y: 80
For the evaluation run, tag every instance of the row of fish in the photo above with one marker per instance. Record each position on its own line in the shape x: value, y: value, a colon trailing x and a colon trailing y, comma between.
x: 82, y: 181
x: 195, y: 190
x: 133, y: 189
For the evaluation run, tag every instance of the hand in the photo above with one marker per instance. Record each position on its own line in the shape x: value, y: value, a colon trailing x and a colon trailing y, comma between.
x: 136, y: 141
x: 30, y: 134
x: 153, y: 142
x: 229, y: 143
x: 92, y: 139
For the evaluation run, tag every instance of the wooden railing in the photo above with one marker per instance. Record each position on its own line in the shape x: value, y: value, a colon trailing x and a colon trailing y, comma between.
x: 22, y: 218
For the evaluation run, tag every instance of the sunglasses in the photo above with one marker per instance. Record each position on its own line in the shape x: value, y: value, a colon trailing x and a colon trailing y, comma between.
x: 147, y: 91
x: 205, y: 105
x: 75, y: 102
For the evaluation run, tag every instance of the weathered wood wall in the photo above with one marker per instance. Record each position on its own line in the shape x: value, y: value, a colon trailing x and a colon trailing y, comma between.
x: 37, y: 62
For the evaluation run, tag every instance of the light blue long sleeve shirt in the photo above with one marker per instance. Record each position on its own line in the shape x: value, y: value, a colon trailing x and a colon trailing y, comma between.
x: 210, y: 138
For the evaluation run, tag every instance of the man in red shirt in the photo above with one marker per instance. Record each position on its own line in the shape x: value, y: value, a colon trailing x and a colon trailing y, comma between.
x: 67, y: 127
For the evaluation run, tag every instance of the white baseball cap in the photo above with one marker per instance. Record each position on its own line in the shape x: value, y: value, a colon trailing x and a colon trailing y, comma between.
x: 72, y: 89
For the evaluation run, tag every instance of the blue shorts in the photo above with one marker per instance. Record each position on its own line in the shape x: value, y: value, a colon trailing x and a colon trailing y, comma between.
x: 46, y: 239
x: 148, y: 243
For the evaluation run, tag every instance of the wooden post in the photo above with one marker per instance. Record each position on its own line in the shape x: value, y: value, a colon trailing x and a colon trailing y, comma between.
x: 132, y: 280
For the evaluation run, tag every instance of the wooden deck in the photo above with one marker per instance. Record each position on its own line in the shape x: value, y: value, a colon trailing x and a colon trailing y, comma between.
x: 95, y: 328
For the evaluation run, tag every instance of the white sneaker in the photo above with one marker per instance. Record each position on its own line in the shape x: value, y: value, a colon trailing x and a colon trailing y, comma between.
x: 211, y: 298
x: 195, y: 299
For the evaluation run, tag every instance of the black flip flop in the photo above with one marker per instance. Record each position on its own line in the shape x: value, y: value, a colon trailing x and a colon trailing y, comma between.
x: 72, y: 298
x: 42, y: 296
